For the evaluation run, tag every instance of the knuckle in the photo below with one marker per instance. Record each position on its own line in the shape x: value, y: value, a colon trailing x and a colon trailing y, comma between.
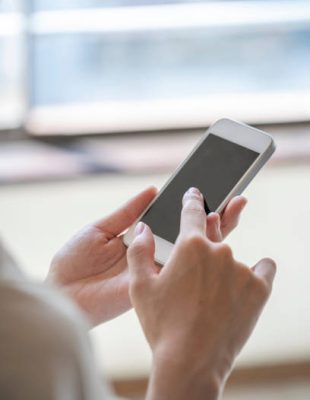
x: 193, y: 206
x: 262, y: 289
x: 137, y: 285
x: 194, y: 242
x: 225, y: 251
x: 246, y: 275
x: 257, y: 286
x: 136, y: 249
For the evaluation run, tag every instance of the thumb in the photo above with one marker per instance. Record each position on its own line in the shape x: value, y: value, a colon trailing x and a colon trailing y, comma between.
x: 140, y: 254
x: 265, y: 270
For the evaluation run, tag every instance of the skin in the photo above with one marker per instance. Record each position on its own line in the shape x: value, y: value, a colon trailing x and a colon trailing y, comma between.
x: 198, y: 311
x: 92, y: 266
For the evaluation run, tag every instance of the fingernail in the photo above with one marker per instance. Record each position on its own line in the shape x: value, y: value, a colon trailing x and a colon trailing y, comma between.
x: 139, y: 228
x: 195, y: 191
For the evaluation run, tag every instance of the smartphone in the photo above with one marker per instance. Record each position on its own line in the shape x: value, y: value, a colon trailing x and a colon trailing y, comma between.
x: 221, y: 165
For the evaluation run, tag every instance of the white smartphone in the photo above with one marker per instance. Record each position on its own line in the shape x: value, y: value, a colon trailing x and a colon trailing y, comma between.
x: 221, y: 166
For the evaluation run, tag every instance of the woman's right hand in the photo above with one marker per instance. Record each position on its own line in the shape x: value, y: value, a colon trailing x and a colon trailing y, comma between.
x: 198, y: 311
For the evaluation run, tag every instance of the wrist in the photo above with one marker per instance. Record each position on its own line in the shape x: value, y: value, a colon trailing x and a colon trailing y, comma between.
x: 175, y: 376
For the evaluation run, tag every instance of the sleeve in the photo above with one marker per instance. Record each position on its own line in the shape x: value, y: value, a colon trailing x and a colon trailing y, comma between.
x: 45, y: 351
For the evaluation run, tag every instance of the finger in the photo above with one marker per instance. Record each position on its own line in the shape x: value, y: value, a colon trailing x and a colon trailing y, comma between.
x: 193, y: 216
x: 214, y: 227
x: 231, y: 214
x: 127, y: 214
x: 140, y: 254
x: 265, y: 270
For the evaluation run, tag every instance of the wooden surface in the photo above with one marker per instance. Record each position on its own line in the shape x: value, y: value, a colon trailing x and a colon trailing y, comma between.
x: 248, y: 379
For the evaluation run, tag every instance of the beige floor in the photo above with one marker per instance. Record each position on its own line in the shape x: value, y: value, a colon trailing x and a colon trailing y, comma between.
x: 36, y: 219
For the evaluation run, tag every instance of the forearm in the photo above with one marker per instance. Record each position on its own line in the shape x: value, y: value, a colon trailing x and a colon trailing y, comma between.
x: 176, y: 379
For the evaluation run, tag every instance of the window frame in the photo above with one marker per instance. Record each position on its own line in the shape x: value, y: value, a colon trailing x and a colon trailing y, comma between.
x: 74, y: 119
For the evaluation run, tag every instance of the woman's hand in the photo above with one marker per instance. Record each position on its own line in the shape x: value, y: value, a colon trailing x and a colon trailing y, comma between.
x: 92, y: 267
x: 198, y: 310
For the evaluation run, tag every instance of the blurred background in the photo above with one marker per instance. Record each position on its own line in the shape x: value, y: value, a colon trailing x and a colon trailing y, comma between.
x: 99, y: 99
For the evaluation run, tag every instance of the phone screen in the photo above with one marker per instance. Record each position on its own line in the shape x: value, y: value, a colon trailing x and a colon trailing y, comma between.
x: 214, y: 168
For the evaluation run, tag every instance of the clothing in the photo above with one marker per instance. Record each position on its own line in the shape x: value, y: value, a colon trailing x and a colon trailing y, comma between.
x: 45, y: 352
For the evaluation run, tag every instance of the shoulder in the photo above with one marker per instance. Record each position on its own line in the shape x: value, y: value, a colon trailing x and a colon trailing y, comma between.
x: 44, y: 343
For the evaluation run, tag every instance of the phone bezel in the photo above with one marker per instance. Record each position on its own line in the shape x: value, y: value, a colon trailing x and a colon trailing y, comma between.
x: 235, y: 132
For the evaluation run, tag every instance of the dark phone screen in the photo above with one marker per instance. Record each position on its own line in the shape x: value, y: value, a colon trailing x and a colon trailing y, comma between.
x: 215, y: 168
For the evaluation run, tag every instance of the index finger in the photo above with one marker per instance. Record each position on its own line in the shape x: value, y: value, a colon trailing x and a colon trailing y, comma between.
x: 193, y: 216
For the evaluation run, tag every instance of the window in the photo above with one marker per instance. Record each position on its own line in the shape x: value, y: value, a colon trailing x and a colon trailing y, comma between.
x: 152, y: 64
x: 11, y: 64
